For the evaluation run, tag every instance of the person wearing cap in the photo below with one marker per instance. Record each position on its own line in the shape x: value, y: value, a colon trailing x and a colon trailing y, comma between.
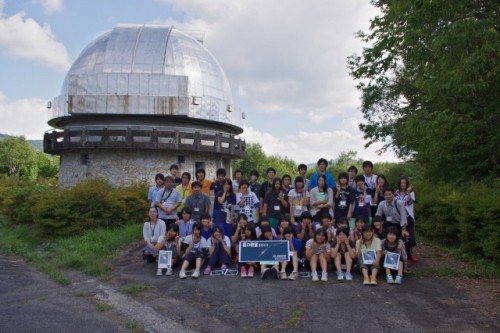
x: 298, y: 199
x: 153, y: 190
x: 168, y: 200
x: 330, y: 180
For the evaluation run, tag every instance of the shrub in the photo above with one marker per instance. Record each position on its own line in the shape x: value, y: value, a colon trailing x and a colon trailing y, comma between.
x: 90, y: 204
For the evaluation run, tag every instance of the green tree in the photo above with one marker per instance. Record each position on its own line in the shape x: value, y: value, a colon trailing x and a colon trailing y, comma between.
x: 256, y: 159
x: 429, y: 78
x: 17, y: 157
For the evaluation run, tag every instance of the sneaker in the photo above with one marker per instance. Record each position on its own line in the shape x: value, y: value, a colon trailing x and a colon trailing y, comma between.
x: 366, y: 281
x: 275, y: 271
x: 182, y: 275
x: 314, y: 276
x: 340, y: 276
x: 324, y: 276
x: 389, y: 278
x: 373, y: 280
x: 264, y: 273
x: 413, y: 258
x: 223, y: 267
x: 250, y: 272
x: 196, y: 274
x: 283, y: 276
x: 293, y: 276
x: 399, y: 279
x: 159, y: 272
x: 207, y: 270
x: 243, y: 272
x: 348, y: 276
x: 169, y: 271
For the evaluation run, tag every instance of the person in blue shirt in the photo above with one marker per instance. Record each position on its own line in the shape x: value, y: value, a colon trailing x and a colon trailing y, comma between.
x: 330, y: 180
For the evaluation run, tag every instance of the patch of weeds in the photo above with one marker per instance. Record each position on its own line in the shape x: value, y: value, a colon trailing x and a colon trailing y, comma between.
x: 102, y: 306
x: 134, y: 289
x: 294, y: 320
x: 134, y: 327
x: 81, y: 294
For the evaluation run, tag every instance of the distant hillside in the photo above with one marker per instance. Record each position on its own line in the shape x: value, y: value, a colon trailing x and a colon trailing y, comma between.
x: 36, y: 144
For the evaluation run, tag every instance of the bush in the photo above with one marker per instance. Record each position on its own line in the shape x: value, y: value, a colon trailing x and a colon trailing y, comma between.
x: 17, y: 198
x: 464, y: 216
x: 90, y: 204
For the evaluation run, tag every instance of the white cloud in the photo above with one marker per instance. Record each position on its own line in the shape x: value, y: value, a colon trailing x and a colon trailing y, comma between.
x: 22, y: 37
x: 284, y: 55
x: 308, y: 147
x: 51, y: 6
x: 26, y: 117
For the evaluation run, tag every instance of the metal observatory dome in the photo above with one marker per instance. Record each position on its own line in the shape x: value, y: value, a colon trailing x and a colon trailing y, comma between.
x: 143, y: 93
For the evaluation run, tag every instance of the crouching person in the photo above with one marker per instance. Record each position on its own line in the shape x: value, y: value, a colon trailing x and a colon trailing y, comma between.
x: 152, y: 230
x: 369, y: 242
x: 169, y: 242
x: 219, y: 250
x: 343, y: 251
x: 395, y: 245
x: 294, y: 245
x: 195, y: 252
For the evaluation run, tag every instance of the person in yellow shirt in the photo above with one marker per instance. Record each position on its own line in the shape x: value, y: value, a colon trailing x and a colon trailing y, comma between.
x: 185, y: 189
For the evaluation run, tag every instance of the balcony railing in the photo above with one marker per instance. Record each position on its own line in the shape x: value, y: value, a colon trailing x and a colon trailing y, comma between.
x: 148, y: 138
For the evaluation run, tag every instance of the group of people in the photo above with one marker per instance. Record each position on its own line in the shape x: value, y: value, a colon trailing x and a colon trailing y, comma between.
x: 345, y: 222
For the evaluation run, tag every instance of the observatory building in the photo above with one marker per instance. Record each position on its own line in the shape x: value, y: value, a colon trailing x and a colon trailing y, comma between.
x: 138, y: 99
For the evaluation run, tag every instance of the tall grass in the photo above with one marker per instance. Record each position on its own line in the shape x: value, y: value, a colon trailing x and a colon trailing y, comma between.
x: 90, y: 252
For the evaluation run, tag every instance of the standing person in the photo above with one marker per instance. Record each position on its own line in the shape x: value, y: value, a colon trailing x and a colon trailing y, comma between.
x: 248, y: 202
x: 275, y: 203
x: 362, y: 200
x: 238, y: 177
x: 226, y: 201
x: 287, y: 183
x: 168, y: 200
x: 322, y: 165
x: 216, y: 186
x: 394, y: 212
x: 198, y: 202
x: 266, y: 186
x: 174, y: 172
x: 352, y: 172
x: 406, y: 195
x: 298, y: 199
x: 321, y: 199
x: 344, y: 196
x: 153, y: 190
x: 370, y: 178
x: 253, y: 184
x: 378, y: 193
x: 153, y: 228
x: 206, y: 184
x: 302, y: 173
x: 184, y: 189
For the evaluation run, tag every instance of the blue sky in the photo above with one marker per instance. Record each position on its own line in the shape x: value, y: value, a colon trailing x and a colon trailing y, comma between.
x: 285, y: 60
